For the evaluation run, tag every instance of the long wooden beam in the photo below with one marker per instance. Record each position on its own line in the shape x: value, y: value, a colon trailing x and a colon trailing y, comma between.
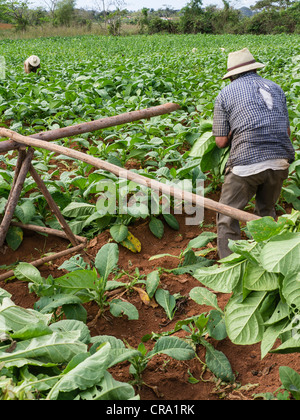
x: 189, y: 197
x: 48, y: 231
x: 45, y: 260
x: 91, y: 126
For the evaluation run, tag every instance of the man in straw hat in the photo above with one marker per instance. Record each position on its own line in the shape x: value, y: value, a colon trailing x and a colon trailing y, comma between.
x: 32, y: 64
x: 251, y: 117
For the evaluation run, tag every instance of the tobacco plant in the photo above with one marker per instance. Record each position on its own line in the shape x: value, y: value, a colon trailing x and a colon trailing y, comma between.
x: 263, y: 276
x: 43, y: 361
x: 66, y: 294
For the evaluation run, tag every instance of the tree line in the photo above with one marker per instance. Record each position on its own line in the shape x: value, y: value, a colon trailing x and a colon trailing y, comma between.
x: 265, y: 17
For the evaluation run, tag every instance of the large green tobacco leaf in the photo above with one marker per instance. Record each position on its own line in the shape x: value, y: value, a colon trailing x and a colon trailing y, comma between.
x: 27, y: 272
x: 282, y: 254
x: 48, y: 304
x: 56, y: 348
x: 291, y: 290
x: 85, y: 375
x: 67, y: 325
x: 119, y: 232
x: 202, y: 144
x: 218, y: 363
x: 25, y: 212
x: 157, y: 227
x: 118, y: 352
x: 244, y: 322
x: 4, y: 294
x: 74, y: 263
x: 292, y: 345
x: 247, y: 249
x: 257, y: 278
x: 107, y: 259
x: 111, y: 390
x: 173, y: 347
x: 14, y: 237
x: 75, y: 210
x: 200, y: 241
x: 203, y: 296
x: 270, y: 336
x: 77, y: 280
x: 290, y: 380
x: 118, y: 307
x: 153, y: 280
x: 221, y: 279
x: 265, y: 228
x: 15, y: 318
x: 167, y: 301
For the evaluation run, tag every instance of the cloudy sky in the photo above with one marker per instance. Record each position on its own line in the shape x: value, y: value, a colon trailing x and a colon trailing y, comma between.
x: 155, y: 4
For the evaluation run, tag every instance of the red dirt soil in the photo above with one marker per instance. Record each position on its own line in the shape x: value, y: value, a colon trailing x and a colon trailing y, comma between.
x: 167, y: 378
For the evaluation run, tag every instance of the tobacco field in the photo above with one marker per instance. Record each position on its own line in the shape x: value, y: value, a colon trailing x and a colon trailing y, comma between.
x: 146, y: 311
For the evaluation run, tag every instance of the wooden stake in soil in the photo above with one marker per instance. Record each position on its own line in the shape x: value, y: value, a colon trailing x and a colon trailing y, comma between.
x: 53, y: 206
x: 15, y: 195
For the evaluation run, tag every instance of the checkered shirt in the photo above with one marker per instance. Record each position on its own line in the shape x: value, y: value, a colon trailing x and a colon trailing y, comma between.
x: 255, y: 111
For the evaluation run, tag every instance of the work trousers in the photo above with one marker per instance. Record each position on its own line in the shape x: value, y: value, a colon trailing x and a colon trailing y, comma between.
x: 237, y: 192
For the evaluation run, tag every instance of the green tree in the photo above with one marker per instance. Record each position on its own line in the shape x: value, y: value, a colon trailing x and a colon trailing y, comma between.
x: 226, y: 20
x: 16, y: 12
x: 194, y: 6
x: 38, y: 16
x: 273, y: 5
x: 51, y: 6
x: 115, y: 22
x: 64, y: 13
x: 192, y: 19
x: 144, y: 19
x: 115, y: 18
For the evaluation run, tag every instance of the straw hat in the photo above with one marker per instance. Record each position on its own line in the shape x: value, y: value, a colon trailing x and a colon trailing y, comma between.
x: 241, y: 62
x: 34, y: 61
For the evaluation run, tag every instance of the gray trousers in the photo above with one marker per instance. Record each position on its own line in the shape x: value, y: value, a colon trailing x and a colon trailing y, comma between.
x: 237, y: 192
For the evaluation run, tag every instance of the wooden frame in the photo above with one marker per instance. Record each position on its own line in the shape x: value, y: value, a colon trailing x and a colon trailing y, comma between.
x: 24, y: 166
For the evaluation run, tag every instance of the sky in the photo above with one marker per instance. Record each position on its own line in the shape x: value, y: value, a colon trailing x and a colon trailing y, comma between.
x: 156, y: 4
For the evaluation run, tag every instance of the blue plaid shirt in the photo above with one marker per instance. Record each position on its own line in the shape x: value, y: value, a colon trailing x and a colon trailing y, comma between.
x: 255, y: 111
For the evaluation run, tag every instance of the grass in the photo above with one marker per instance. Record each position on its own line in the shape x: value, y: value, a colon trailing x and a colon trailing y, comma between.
x: 48, y: 30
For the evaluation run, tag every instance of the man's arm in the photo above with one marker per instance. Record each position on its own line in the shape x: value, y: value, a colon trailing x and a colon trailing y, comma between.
x: 221, y: 125
x: 223, y: 141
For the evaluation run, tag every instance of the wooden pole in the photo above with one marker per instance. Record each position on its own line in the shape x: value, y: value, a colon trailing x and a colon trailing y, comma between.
x: 14, y: 196
x: 6, y: 146
x: 53, y: 206
x: 45, y: 260
x: 48, y: 231
x: 91, y: 126
x: 21, y: 157
x: 139, y: 179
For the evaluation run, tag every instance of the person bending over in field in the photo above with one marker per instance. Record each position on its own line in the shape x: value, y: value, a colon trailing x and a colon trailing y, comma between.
x: 251, y: 116
x: 32, y: 64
